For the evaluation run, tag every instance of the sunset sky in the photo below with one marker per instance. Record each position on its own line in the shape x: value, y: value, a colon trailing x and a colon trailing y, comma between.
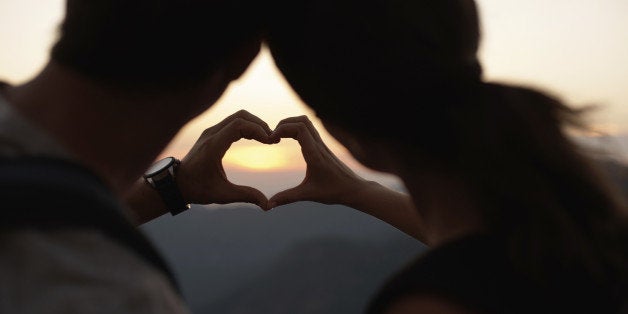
x: 577, y: 49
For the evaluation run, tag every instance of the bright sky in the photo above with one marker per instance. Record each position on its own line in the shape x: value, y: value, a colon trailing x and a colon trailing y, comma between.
x: 576, y: 48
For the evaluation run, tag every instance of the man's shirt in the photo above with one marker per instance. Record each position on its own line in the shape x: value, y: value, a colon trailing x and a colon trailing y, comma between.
x: 70, y: 270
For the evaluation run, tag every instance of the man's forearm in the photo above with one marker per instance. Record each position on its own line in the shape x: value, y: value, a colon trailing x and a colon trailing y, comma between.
x: 144, y: 203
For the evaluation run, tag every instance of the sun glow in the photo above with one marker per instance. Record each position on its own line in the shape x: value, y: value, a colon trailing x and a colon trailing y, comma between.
x: 251, y: 155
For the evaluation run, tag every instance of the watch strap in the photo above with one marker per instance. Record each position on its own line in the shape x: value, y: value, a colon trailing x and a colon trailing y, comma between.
x: 166, y: 186
x: 171, y: 195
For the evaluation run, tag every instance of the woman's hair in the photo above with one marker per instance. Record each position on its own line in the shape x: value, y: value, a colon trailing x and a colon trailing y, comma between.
x: 152, y: 44
x: 407, y: 71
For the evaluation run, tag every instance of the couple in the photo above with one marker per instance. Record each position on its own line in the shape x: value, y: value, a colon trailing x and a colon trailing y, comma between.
x: 517, y: 218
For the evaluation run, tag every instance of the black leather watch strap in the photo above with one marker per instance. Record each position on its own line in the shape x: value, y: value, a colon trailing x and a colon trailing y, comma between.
x: 163, y: 181
x: 171, y: 195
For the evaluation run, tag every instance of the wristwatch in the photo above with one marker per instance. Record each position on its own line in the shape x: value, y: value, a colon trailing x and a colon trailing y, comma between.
x: 161, y: 176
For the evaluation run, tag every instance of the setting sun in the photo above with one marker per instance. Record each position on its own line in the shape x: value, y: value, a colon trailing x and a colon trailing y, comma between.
x: 251, y: 155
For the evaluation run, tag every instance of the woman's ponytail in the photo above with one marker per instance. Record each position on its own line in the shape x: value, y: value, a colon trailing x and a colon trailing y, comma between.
x: 548, y: 199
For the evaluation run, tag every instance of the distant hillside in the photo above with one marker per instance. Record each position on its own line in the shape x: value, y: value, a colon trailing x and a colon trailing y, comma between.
x: 329, y: 257
x: 333, y: 276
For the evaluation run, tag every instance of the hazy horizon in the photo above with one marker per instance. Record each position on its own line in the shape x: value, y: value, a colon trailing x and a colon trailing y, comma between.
x: 572, y: 48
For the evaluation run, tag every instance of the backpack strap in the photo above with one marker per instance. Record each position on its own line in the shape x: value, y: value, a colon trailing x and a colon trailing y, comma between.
x: 54, y: 194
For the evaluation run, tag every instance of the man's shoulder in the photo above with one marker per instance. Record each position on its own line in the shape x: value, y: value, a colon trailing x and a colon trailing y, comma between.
x: 31, y: 181
x: 66, y: 243
x: 53, y: 270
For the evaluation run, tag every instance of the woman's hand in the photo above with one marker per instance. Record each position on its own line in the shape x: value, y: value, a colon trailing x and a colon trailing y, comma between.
x: 329, y: 181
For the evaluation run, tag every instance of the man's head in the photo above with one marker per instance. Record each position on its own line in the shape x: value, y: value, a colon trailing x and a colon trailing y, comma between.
x: 126, y: 75
x: 154, y: 44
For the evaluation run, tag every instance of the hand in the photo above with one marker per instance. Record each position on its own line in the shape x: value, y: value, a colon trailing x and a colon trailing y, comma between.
x: 201, y: 176
x: 327, y: 179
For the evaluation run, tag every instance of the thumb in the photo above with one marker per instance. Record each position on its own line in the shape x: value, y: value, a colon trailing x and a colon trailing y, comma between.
x: 286, y: 197
x: 251, y: 195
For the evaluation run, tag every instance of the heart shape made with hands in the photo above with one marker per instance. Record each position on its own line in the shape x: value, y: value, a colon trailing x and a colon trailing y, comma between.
x: 268, y: 168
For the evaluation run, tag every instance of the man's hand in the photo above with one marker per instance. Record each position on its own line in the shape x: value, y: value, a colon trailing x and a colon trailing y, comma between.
x: 201, y: 176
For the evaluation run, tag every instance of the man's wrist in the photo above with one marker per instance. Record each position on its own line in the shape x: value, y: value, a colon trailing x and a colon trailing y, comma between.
x: 144, y: 203
x: 161, y: 176
x: 185, y: 184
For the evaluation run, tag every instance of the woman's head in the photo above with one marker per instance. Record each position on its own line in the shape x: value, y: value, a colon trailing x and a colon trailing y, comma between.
x: 378, y: 67
x: 406, y: 73
x: 401, y: 70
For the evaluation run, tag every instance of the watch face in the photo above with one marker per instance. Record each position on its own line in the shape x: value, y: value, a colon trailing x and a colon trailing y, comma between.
x: 158, y: 166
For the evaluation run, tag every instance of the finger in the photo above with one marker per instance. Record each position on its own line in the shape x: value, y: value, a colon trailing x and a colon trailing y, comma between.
x: 310, y: 126
x: 289, y: 196
x: 305, y: 120
x: 301, y: 134
x: 246, y: 194
x: 255, y: 119
x: 241, y: 114
x: 243, y: 129
x: 296, y: 130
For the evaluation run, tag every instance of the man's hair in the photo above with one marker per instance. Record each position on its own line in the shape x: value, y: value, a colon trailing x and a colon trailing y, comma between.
x: 152, y: 44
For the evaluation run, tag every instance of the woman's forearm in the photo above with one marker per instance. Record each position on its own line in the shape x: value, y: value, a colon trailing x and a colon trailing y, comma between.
x: 390, y: 206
